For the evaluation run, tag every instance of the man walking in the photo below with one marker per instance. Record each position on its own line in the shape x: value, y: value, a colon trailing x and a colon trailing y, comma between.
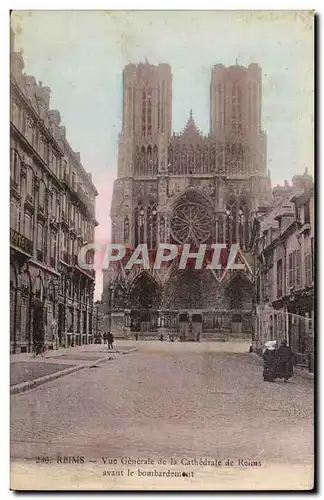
x: 110, y: 339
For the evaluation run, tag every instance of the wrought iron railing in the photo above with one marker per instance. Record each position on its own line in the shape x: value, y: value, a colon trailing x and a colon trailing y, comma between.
x: 20, y: 241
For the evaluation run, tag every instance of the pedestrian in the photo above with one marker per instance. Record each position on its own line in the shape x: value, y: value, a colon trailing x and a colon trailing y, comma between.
x: 161, y: 337
x: 270, y: 364
x: 136, y: 336
x: 110, y: 338
x: 198, y: 337
x: 285, y: 361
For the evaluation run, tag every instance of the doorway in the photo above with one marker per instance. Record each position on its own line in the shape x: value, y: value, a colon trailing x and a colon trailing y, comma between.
x: 197, y: 326
x: 183, y: 326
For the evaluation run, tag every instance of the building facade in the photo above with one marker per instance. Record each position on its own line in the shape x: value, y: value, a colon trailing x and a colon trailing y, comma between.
x: 186, y: 188
x: 283, y: 249
x: 52, y: 215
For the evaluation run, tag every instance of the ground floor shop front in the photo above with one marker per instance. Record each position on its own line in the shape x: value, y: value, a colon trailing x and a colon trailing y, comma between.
x: 290, y: 318
x: 52, y: 308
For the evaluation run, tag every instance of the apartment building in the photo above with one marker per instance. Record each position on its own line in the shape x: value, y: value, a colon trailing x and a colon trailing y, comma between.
x: 52, y: 215
x: 283, y: 266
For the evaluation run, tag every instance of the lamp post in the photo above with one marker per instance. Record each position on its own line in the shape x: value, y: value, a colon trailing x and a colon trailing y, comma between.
x: 109, y: 307
x: 97, y: 314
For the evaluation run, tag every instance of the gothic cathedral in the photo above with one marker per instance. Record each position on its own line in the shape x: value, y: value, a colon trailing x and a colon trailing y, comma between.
x: 186, y: 188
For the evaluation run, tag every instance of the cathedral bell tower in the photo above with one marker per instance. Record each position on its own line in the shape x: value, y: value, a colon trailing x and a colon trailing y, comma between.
x: 147, y: 108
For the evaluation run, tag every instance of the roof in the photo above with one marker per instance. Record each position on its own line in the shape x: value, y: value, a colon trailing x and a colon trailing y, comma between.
x: 191, y: 127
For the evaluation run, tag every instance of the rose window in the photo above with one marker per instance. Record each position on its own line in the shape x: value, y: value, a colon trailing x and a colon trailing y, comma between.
x: 191, y: 223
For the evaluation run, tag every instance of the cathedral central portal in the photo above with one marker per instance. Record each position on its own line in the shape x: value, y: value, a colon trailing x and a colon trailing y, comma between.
x: 186, y: 188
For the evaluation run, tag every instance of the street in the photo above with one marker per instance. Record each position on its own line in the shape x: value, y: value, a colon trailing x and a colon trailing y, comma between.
x: 184, y: 400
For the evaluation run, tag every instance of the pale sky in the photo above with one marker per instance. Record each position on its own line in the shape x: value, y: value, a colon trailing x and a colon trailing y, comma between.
x: 80, y: 55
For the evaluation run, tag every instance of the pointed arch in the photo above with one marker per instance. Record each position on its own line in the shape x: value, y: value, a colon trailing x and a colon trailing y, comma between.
x: 162, y: 229
x: 155, y: 160
x: 145, y: 292
x: 149, y: 162
x: 139, y: 223
x: 39, y: 288
x: 126, y: 229
x: 239, y: 291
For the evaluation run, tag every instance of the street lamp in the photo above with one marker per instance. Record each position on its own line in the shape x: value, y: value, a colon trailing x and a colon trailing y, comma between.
x: 109, y: 306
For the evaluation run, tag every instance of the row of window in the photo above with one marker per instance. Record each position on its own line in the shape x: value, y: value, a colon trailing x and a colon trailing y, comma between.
x: 294, y: 276
x: 40, y: 143
x: 46, y: 251
x: 37, y: 140
x: 235, y: 227
x: 185, y: 160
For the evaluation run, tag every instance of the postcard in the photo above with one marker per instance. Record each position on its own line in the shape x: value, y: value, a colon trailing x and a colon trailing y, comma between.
x: 162, y: 250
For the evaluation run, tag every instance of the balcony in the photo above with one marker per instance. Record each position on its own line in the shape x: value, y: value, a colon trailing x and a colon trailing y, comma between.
x: 53, y: 222
x: 41, y: 211
x: 20, y: 241
x: 40, y: 255
x: 85, y: 200
x: 72, y: 225
x: 65, y: 219
x: 65, y: 257
x: 29, y: 199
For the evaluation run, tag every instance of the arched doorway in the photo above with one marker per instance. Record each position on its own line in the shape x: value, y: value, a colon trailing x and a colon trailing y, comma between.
x: 145, y: 301
x: 239, y: 301
x: 183, y: 326
x: 188, y: 290
x: 13, y: 307
x: 25, y: 312
x: 197, y: 326
x: 51, y: 316
x: 39, y: 318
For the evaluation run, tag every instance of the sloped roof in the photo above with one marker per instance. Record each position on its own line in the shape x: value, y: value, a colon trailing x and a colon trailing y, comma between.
x: 191, y: 127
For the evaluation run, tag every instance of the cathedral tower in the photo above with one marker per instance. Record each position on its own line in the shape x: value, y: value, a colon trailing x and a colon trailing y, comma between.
x: 147, y: 108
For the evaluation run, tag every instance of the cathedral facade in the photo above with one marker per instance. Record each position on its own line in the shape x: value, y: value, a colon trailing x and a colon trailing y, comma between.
x: 182, y: 188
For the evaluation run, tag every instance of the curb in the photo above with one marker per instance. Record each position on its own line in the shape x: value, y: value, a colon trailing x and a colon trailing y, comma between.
x: 25, y: 386
x: 297, y: 371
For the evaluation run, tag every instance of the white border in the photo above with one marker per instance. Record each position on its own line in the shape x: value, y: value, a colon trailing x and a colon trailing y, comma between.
x: 4, y: 55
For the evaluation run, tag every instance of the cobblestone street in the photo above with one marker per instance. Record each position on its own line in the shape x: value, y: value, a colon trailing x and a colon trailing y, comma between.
x: 168, y: 400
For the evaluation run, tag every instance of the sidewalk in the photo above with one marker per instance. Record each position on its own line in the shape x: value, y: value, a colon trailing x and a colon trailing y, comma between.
x: 27, y: 372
